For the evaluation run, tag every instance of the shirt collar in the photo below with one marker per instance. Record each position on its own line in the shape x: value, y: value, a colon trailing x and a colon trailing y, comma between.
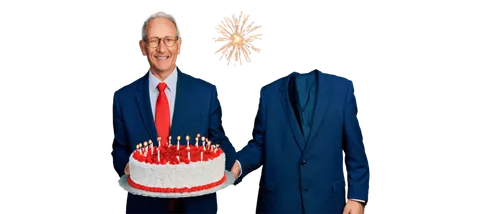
x: 171, y: 81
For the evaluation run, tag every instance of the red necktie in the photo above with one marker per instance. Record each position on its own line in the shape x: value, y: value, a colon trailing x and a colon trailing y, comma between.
x: 162, y: 118
x: 162, y: 122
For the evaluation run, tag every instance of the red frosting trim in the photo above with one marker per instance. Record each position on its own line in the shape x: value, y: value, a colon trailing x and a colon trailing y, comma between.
x: 169, y: 155
x: 177, y: 190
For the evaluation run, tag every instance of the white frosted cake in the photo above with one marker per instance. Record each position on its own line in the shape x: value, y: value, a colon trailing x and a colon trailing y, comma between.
x: 177, y: 168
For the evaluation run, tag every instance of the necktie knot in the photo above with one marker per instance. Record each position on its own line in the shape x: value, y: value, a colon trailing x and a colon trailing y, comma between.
x: 162, y: 86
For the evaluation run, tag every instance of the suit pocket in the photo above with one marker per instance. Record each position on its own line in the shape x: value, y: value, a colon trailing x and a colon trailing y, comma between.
x: 338, y: 187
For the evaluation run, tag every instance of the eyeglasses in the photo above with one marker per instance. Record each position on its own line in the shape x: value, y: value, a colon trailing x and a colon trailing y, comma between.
x: 155, y: 41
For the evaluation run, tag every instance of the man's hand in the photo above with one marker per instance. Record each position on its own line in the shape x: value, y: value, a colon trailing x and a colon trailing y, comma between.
x: 127, y: 170
x: 236, y: 170
x: 353, y: 207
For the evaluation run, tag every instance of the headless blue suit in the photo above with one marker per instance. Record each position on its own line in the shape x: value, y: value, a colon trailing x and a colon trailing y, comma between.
x: 197, y: 111
x: 303, y: 126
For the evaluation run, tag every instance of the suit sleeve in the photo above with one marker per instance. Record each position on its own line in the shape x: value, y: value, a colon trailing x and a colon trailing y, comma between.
x: 216, y: 132
x: 251, y: 157
x: 355, y: 157
x: 120, y: 152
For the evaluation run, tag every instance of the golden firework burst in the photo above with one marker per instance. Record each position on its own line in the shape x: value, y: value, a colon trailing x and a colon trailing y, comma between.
x: 239, y: 42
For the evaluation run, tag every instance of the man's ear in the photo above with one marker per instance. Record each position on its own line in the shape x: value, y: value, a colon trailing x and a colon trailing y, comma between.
x: 181, y: 44
x: 142, y: 45
x: 179, y: 48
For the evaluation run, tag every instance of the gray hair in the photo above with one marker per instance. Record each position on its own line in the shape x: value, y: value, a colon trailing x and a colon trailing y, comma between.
x: 160, y: 14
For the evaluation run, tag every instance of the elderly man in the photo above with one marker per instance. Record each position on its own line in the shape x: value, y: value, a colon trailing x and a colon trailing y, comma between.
x: 145, y: 110
x: 303, y: 125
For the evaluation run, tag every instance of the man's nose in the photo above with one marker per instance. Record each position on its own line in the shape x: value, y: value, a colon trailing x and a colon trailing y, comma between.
x: 161, y: 47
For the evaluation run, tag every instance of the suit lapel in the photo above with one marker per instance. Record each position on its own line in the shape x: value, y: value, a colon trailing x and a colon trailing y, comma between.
x: 322, y: 103
x: 180, y: 103
x: 289, y: 114
x: 144, y: 103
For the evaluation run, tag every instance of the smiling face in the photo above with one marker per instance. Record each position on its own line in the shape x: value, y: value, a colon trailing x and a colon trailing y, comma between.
x: 161, y: 58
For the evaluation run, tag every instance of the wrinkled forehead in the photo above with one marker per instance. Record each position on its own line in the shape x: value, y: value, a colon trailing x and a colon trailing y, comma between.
x: 160, y: 27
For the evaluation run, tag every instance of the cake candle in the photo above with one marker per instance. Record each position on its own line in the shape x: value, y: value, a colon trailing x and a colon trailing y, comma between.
x: 140, y: 148
x: 151, y: 146
x: 145, y: 148
x: 178, y: 138
x: 158, y: 150
x: 203, y: 141
x: 159, y: 141
x: 187, y: 139
x: 197, y: 137
x: 169, y: 140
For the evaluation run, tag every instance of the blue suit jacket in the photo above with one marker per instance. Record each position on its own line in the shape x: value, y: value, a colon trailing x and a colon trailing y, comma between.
x: 197, y: 110
x: 306, y: 175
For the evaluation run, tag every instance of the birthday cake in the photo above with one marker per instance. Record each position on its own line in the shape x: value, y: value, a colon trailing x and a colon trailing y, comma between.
x: 175, y: 168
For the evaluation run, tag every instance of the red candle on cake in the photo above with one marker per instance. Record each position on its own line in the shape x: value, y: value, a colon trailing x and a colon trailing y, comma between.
x: 158, y: 150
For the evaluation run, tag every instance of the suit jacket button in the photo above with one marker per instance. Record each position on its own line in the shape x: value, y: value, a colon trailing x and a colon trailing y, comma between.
x: 305, y: 188
x: 303, y: 162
